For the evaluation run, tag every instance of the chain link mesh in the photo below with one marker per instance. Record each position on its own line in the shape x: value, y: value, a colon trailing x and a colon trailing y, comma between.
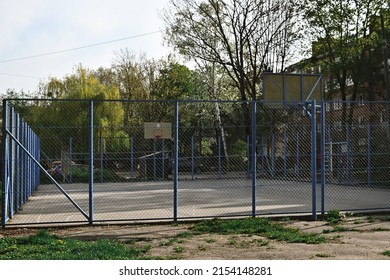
x: 133, y: 174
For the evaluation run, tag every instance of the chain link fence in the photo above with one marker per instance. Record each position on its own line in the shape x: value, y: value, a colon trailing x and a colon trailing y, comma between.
x: 111, y: 161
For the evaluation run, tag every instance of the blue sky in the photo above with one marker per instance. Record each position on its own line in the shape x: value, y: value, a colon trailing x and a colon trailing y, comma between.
x: 34, y: 27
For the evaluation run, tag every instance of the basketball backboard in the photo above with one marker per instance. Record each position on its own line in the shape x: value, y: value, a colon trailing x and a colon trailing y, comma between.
x: 286, y: 88
x: 154, y: 130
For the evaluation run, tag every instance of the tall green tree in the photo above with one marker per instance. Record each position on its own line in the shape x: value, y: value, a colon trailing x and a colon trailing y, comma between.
x: 244, y: 37
x: 342, y: 32
x: 69, y: 119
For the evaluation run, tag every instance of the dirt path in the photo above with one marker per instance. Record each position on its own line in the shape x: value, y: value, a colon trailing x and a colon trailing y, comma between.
x: 364, y: 237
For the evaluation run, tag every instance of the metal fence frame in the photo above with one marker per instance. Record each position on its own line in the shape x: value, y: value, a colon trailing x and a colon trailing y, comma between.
x: 22, y: 158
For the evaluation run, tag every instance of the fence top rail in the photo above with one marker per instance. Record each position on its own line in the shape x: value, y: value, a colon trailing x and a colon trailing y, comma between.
x: 286, y: 103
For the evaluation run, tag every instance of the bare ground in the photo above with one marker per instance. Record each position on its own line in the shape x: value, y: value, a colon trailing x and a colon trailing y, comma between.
x: 355, y: 238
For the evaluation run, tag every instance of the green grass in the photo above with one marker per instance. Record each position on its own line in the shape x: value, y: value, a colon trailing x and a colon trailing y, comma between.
x: 257, y: 226
x: 387, y: 253
x: 333, y: 217
x: 44, y: 246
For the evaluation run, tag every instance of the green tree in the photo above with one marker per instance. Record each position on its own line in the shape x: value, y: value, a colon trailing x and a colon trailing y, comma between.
x: 342, y: 32
x: 69, y: 119
x: 243, y: 37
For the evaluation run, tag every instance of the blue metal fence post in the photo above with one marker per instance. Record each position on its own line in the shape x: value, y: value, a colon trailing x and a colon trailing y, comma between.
x: 348, y: 163
x: 192, y: 157
x: 101, y: 158
x: 132, y: 157
x: 262, y: 155
x: 91, y: 163
x: 314, y: 159
x: 254, y: 157
x: 175, y: 171
x: 273, y: 154
x: 154, y: 159
x: 28, y: 162
x: 70, y: 160
x: 323, y: 155
x: 38, y: 157
x: 297, y: 168
x: 248, y: 171
x: 11, y: 155
x: 284, y: 154
x: 39, y: 160
x: 163, y: 159
x: 219, y: 156
x: 369, y: 167
x: 25, y: 159
x: 18, y: 152
x: 5, y: 165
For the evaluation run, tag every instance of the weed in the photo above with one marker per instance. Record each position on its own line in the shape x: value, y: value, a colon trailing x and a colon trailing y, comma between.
x: 170, y: 242
x: 202, y: 248
x: 233, y: 241
x: 210, y: 240
x: 257, y: 226
x: 387, y: 253
x: 384, y: 219
x: 178, y: 249
x: 260, y: 242
x: 339, y: 229
x: 333, y: 217
x: 185, y: 234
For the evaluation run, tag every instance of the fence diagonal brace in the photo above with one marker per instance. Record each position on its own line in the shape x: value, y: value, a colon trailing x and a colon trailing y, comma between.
x: 47, y: 174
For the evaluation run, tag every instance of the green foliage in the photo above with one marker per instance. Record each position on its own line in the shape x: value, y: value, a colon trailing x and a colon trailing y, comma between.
x: 346, y: 41
x: 178, y: 249
x: 44, y: 246
x: 387, y: 253
x: 174, y: 82
x: 333, y: 216
x: 258, y: 226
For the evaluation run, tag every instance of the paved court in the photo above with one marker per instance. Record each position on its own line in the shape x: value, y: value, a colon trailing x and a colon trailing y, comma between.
x: 114, y: 202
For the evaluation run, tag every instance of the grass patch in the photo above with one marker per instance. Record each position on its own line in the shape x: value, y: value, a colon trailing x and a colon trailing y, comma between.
x: 44, y: 246
x: 387, y: 253
x: 257, y: 226
x: 333, y: 217
x: 339, y: 229
x: 384, y: 218
x: 178, y: 249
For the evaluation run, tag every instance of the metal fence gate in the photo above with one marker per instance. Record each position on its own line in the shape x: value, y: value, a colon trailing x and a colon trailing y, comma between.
x: 92, y: 161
